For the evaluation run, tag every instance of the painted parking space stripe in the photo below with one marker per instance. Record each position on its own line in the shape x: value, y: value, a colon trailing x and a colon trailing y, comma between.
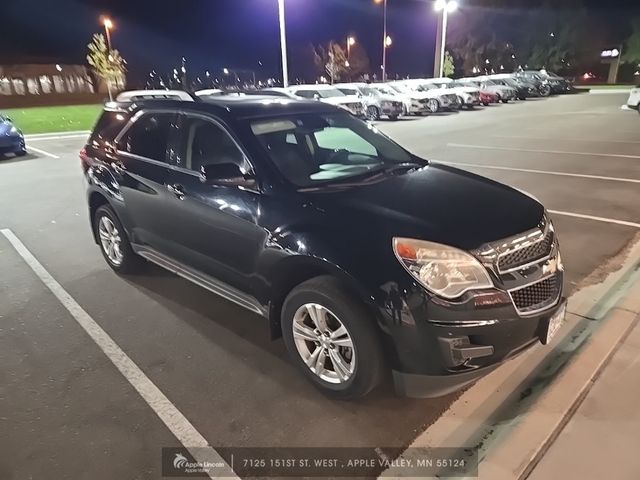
x: 175, y: 421
x: 568, y: 139
x: 552, y: 152
x: 542, y: 172
x: 42, y: 152
x: 595, y: 218
x: 62, y: 134
x: 57, y: 137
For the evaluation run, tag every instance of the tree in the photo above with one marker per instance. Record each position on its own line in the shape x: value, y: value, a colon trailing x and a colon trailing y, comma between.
x: 631, y: 53
x: 333, y: 59
x: 359, y: 62
x: 449, y: 68
x: 107, y: 64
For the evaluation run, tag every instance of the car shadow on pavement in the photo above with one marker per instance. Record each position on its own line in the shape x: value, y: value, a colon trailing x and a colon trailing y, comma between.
x: 390, y: 420
x: 6, y: 159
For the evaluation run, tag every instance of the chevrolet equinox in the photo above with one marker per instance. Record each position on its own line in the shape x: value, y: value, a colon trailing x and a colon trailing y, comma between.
x: 370, y: 262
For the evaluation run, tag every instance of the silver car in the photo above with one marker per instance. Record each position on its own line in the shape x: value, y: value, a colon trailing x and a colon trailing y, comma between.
x: 376, y: 103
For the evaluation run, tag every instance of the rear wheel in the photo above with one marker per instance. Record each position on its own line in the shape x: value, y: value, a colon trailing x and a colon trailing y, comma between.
x: 331, y: 337
x: 373, y: 113
x: 113, y: 241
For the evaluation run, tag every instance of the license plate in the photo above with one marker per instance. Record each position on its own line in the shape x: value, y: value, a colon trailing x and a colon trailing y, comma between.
x: 555, y: 322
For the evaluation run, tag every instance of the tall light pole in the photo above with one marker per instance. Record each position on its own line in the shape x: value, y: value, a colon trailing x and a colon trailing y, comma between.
x: 283, y: 44
x: 108, y: 25
x: 351, y: 41
x: 445, y: 7
x: 384, y: 39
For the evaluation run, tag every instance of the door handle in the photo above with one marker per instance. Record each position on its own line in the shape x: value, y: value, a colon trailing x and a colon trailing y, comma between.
x: 177, y: 190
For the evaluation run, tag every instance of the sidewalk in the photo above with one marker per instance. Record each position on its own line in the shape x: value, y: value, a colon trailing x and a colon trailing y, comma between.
x: 602, y: 439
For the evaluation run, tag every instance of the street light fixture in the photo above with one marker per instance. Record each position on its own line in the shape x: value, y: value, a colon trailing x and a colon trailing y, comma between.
x: 351, y: 41
x: 388, y: 41
x: 283, y: 44
x: 445, y: 7
x: 384, y: 39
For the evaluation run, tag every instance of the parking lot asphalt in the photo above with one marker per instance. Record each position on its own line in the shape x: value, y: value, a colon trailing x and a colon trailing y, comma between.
x: 67, y: 412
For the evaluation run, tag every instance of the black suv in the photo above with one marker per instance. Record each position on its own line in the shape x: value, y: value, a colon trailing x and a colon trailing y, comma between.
x: 367, y: 259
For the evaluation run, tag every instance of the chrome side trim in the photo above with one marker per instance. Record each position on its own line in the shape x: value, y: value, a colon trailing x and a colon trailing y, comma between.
x: 462, y: 323
x: 205, y: 281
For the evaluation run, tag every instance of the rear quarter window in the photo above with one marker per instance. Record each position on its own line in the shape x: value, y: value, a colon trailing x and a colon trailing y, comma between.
x: 108, y: 126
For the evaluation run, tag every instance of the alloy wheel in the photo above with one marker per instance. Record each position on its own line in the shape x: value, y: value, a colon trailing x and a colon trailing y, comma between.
x: 324, y: 343
x: 373, y: 113
x: 433, y: 105
x: 110, y: 240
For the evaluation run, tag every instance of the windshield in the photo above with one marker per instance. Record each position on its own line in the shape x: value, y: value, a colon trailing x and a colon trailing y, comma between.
x: 427, y: 86
x: 315, y: 149
x: 387, y: 91
x: 330, y: 92
x: 370, y: 91
x: 401, y: 88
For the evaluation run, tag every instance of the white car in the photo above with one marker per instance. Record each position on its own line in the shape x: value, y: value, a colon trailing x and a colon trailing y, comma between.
x: 410, y: 104
x: 634, y: 99
x: 468, y: 95
x: 504, y: 93
x: 330, y: 94
x: 375, y: 102
x: 436, y: 99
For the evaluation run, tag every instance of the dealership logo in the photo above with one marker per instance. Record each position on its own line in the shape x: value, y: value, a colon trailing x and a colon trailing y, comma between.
x: 180, y: 461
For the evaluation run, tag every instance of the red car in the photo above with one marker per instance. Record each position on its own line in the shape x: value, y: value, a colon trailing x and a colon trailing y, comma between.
x: 487, y: 97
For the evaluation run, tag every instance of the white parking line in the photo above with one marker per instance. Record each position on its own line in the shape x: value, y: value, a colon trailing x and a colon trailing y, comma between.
x: 74, y: 132
x: 542, y: 172
x: 57, y: 137
x: 554, y: 152
x: 43, y: 152
x: 183, y: 430
x: 597, y: 219
x: 569, y: 139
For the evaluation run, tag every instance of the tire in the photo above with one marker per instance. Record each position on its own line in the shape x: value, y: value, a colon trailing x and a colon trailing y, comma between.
x: 505, y: 100
x: 373, y: 113
x: 325, y: 297
x: 433, y: 105
x: 486, y: 104
x: 545, y: 90
x: 127, y: 261
x: 393, y: 118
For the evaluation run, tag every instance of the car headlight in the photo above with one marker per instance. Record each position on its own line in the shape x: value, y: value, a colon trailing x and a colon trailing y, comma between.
x: 14, y: 132
x: 444, y: 271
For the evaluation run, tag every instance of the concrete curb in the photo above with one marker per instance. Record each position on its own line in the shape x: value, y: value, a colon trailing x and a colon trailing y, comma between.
x: 516, y: 458
x: 477, y: 417
x: 56, y: 134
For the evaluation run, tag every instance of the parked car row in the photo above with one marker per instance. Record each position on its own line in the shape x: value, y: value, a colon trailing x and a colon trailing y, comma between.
x: 427, y: 96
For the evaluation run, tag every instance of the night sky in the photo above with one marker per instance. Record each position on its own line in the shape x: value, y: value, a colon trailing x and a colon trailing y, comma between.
x: 214, y: 34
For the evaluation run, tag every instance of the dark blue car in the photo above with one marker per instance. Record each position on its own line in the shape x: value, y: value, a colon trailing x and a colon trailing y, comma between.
x: 11, y: 138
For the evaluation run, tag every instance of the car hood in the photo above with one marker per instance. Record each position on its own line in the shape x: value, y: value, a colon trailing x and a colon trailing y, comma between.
x: 342, y: 100
x: 5, y: 128
x: 464, y: 90
x: 436, y: 203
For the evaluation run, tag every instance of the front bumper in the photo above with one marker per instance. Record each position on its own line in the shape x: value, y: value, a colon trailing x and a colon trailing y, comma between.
x: 391, y: 110
x: 466, y: 353
x: 12, y: 145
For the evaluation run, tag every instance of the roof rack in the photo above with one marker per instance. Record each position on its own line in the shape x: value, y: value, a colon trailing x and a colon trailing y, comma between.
x: 138, y: 95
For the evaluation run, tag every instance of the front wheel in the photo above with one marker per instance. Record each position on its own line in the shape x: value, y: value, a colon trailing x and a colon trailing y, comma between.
x: 433, y: 105
x: 373, y: 113
x: 113, y: 241
x: 332, y: 338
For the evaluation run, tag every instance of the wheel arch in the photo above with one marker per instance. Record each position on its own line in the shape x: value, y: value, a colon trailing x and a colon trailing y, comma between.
x: 96, y: 200
x: 291, y: 272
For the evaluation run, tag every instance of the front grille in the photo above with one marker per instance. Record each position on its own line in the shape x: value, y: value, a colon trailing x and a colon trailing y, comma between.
x: 537, y: 296
x: 528, y: 254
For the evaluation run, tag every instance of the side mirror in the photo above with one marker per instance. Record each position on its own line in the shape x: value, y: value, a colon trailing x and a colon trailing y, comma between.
x: 225, y: 174
x: 316, y: 96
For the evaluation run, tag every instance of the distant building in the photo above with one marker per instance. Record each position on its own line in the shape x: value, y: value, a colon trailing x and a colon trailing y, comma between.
x: 45, y: 84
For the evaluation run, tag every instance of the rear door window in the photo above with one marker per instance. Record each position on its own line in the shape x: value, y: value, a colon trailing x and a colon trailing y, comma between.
x: 109, y: 125
x: 148, y: 137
